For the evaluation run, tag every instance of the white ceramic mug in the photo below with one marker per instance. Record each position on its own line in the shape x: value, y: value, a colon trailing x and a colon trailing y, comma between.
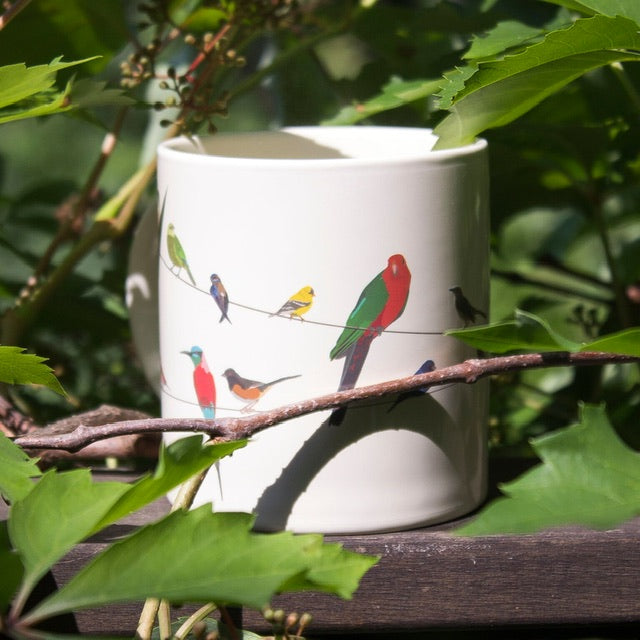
x: 311, y: 230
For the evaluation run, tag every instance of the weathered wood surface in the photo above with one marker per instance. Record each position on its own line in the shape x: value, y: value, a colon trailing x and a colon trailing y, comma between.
x: 428, y: 579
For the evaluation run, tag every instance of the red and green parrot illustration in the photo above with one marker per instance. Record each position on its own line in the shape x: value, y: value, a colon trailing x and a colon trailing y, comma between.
x: 381, y: 302
x: 203, y: 383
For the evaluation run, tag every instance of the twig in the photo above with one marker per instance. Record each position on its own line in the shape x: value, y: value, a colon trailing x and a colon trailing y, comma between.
x: 12, y: 421
x: 82, y: 205
x: 12, y: 11
x: 466, y: 372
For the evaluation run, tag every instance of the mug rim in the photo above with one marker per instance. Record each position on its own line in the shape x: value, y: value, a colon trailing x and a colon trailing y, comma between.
x: 181, y: 148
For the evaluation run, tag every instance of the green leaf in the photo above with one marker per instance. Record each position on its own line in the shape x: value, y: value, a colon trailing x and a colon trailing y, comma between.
x: 86, y: 93
x: 44, y: 101
x: 455, y: 82
x: 588, y: 476
x: 525, y: 332
x: 17, y: 367
x: 503, y: 36
x: 396, y: 93
x: 177, y: 463
x: 502, y: 90
x: 200, y: 556
x: 79, y: 28
x: 625, y: 342
x: 60, y: 511
x: 16, y: 470
x: 18, y: 82
x: 65, y: 508
x: 12, y: 569
x: 627, y: 8
x: 205, y: 19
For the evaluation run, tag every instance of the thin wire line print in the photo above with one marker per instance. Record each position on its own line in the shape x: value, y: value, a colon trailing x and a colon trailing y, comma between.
x: 306, y: 320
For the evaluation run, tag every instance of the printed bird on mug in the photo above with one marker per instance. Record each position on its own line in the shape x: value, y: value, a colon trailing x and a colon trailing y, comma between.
x: 426, y: 367
x: 249, y: 391
x: 203, y: 382
x: 466, y: 311
x: 220, y: 296
x: 298, y: 304
x: 177, y: 254
x: 381, y: 302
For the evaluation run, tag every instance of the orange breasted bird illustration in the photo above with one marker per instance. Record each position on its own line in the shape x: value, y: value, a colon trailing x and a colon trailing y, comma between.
x: 203, y: 382
x: 177, y: 254
x: 219, y: 294
x: 249, y: 391
x: 381, y: 302
x: 298, y: 304
x: 465, y: 309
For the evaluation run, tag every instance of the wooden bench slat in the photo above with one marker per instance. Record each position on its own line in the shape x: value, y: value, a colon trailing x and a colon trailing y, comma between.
x: 429, y: 579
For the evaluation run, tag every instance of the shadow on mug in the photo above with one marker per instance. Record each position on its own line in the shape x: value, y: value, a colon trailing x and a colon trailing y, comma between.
x: 418, y: 413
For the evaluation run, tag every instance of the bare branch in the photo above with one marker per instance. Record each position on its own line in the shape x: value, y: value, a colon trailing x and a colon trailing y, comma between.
x: 11, y: 11
x: 466, y: 372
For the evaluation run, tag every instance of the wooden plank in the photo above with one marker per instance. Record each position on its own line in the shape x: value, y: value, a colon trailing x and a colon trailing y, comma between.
x: 429, y: 579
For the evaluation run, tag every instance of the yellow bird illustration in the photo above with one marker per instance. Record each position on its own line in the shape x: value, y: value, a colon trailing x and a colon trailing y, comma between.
x: 298, y: 304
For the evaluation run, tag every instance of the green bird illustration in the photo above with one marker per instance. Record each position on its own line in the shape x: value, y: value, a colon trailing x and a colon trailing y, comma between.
x: 177, y: 254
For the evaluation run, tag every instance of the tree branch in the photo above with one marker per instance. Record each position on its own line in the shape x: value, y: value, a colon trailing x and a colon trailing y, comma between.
x: 12, y: 11
x: 466, y: 372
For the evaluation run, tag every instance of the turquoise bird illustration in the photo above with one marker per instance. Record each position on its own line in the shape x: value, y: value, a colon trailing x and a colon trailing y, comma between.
x: 177, y: 254
x: 220, y: 296
x: 203, y: 382
x: 381, y: 302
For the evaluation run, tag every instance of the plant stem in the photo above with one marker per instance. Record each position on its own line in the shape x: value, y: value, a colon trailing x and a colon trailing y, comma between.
x: 153, y: 607
x: 187, y: 625
x: 627, y: 85
x: 110, y: 221
x: 164, y: 620
x: 147, y: 618
x: 12, y: 11
x: 622, y: 308
x: 82, y: 205
x: 467, y: 372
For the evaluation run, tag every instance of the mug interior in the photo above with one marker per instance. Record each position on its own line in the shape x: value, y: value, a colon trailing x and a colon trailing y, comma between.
x: 367, y: 144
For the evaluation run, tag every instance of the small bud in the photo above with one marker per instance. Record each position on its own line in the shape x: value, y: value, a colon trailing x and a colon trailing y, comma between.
x: 190, y: 39
x: 165, y: 123
x: 305, y: 619
x: 278, y: 616
x: 199, y: 629
x: 159, y: 106
x: 207, y: 37
x: 163, y: 84
x: 171, y: 72
x: 292, y: 619
x: 267, y: 614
